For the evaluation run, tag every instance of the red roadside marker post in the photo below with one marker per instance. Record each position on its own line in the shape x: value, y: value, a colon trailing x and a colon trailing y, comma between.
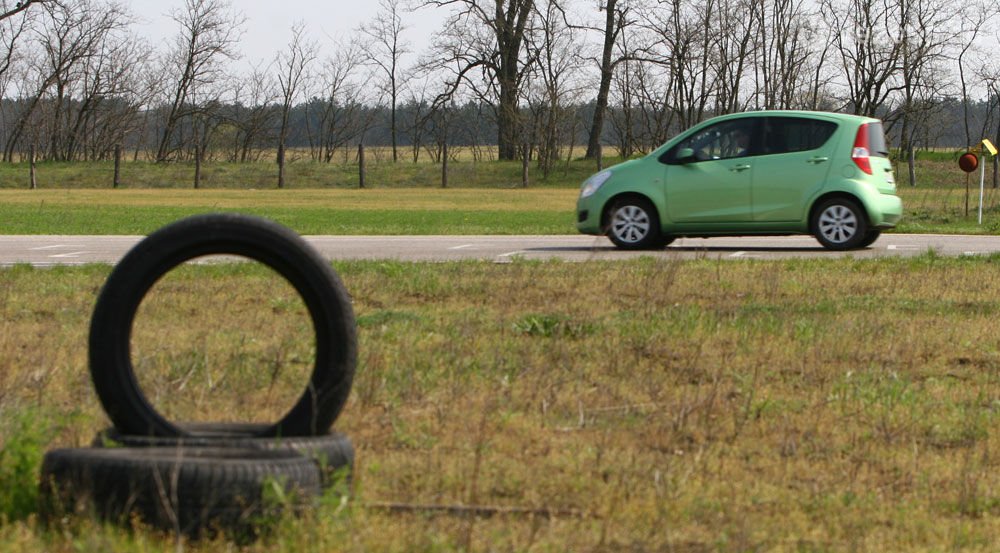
x: 970, y: 161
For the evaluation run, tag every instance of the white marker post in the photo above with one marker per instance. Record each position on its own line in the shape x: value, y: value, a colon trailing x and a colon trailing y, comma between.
x: 982, y: 173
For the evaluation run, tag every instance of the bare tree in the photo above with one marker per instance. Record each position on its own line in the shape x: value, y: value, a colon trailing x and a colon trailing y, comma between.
x: 616, y: 20
x: 868, y: 42
x: 293, y: 65
x: 552, y: 83
x: 252, y: 114
x: 71, y: 36
x: 738, y: 23
x: 338, y: 108
x: 11, y: 31
x: 924, y: 48
x: 784, y: 53
x: 15, y: 22
x: 487, y: 40
x: 210, y: 32
x: 684, y: 35
x: 6, y: 11
x: 417, y: 105
x: 111, y: 91
x: 383, y: 47
x: 972, y: 21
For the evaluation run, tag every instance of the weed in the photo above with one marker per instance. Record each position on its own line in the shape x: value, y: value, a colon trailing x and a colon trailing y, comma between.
x: 548, y: 326
x: 26, y: 435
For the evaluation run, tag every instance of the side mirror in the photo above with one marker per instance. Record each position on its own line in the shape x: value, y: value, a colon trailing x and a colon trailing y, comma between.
x: 686, y: 155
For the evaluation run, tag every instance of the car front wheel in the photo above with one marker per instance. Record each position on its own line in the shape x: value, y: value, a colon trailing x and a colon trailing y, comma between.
x: 839, y: 224
x: 634, y: 225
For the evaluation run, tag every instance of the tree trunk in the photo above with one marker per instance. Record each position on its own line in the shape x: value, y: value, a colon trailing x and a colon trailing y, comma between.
x: 281, y: 165
x: 507, y: 127
x: 603, y: 90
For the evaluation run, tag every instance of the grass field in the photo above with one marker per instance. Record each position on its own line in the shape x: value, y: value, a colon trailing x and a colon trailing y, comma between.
x: 382, y: 211
x: 650, y: 405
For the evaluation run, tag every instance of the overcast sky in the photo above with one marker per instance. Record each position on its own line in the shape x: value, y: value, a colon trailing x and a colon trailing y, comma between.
x: 269, y: 22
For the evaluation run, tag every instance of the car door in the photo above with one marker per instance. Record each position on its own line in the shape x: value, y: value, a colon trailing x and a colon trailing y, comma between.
x: 794, y: 161
x: 711, y: 182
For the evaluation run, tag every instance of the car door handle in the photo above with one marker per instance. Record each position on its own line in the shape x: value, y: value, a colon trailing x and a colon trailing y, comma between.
x: 739, y: 168
x: 817, y: 159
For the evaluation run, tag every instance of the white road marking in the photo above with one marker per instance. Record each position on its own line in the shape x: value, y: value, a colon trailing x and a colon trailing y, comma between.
x: 54, y: 247
x: 506, y: 257
x: 902, y: 247
x: 70, y: 254
x: 738, y: 254
x: 462, y: 247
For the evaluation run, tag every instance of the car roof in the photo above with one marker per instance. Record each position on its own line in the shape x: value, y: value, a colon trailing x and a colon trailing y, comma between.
x: 797, y: 113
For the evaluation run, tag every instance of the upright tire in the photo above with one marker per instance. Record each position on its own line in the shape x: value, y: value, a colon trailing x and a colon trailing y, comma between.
x: 269, y: 243
x: 332, y: 453
x: 839, y: 224
x: 633, y: 224
x: 187, y: 490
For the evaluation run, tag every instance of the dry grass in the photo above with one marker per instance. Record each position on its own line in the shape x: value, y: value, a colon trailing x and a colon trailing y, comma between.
x: 687, y: 406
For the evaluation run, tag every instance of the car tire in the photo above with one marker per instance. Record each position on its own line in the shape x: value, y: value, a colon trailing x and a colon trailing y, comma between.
x: 273, y: 245
x: 332, y: 453
x: 633, y: 224
x: 187, y: 490
x: 839, y: 224
x: 870, y: 238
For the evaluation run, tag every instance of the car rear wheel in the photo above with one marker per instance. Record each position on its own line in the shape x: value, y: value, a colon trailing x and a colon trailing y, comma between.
x: 839, y: 224
x: 634, y: 225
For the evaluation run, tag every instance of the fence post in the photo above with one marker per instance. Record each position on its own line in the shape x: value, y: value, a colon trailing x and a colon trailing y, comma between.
x: 31, y: 164
x: 361, y: 165
x: 118, y: 165
x: 444, y: 165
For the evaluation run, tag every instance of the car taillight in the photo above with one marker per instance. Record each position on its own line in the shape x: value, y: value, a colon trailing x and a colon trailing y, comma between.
x: 860, y: 152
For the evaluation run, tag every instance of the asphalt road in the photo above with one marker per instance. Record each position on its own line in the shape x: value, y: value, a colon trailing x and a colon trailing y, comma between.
x: 76, y: 250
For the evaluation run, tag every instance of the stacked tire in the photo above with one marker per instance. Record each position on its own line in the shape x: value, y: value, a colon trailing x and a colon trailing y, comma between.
x: 190, y: 478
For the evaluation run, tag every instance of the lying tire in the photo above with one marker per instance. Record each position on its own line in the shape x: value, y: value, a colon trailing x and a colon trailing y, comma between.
x: 332, y: 453
x: 186, y: 490
x: 269, y: 243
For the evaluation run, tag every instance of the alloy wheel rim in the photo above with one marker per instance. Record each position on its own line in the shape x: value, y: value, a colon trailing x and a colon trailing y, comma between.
x: 838, y: 224
x: 630, y: 224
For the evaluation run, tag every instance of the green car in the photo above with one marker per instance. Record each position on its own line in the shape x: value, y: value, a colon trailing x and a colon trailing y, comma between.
x: 766, y: 172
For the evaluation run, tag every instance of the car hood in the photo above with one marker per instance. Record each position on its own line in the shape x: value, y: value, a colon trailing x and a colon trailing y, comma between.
x: 623, y: 165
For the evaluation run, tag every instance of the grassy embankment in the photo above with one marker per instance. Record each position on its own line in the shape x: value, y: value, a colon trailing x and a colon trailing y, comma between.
x: 823, y: 405
x: 405, y: 198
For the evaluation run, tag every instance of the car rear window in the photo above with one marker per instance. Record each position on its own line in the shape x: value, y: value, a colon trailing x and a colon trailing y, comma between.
x: 876, y: 140
x: 795, y: 134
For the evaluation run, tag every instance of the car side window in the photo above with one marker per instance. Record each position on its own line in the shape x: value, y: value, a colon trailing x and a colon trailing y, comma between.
x: 795, y: 134
x: 726, y: 140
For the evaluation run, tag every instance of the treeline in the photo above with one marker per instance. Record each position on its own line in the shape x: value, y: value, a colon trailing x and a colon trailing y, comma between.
x: 505, y: 78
